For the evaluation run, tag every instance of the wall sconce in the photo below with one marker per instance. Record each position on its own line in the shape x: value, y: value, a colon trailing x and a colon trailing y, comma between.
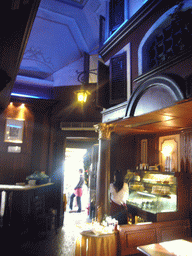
x: 169, y: 152
x: 82, y: 95
x: 83, y: 78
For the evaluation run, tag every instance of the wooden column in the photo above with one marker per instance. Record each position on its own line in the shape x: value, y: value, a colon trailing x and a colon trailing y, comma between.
x: 103, y: 173
x: 57, y: 157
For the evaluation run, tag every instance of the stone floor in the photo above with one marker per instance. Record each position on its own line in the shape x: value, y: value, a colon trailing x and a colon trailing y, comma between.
x: 61, y: 243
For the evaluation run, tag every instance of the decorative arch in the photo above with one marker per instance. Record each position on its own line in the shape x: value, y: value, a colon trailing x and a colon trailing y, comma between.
x: 161, y: 29
x: 155, y: 93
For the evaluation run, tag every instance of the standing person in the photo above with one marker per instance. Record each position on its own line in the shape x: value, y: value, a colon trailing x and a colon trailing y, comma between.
x: 119, y: 193
x: 78, y: 192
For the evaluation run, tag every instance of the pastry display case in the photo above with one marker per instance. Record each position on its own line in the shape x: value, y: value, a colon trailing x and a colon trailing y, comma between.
x: 152, y: 193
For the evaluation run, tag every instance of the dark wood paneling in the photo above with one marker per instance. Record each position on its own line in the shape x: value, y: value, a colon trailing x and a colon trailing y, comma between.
x: 132, y: 236
x: 145, y: 237
x: 172, y: 233
x: 126, y: 150
x: 126, y: 154
x: 15, y: 167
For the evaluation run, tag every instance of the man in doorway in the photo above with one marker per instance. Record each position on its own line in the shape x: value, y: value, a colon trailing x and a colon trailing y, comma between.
x: 78, y: 192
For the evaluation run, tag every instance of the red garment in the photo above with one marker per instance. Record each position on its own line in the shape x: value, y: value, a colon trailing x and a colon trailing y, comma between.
x: 78, y: 192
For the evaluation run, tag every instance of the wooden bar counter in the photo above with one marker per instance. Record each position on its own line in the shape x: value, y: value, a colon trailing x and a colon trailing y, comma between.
x: 21, y: 206
x: 136, y: 235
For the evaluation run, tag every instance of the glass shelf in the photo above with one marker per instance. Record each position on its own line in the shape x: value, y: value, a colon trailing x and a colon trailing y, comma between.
x: 153, y: 192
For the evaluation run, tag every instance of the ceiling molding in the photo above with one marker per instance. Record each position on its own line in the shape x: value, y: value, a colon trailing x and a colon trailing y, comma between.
x: 76, y: 3
x: 66, y: 21
x: 33, y: 81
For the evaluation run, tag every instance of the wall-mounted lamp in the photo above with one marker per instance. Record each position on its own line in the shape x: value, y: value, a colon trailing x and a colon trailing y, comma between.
x: 82, y: 95
x: 83, y: 78
x: 167, y: 152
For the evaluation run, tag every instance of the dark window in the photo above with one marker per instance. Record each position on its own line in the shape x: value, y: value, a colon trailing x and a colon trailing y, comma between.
x: 171, y: 41
x: 116, y: 15
x: 118, y: 79
x: 101, y: 30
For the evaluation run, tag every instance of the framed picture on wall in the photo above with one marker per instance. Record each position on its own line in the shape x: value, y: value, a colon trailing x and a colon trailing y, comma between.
x: 14, y: 131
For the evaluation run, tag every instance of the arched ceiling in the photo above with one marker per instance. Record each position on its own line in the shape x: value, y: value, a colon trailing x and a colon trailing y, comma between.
x: 62, y: 31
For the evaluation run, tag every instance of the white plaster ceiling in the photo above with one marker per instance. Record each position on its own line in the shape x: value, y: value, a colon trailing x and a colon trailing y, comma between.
x: 62, y: 31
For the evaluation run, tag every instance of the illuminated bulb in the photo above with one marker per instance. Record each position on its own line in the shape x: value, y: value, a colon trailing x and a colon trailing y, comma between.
x: 22, y: 105
x: 82, y: 96
x: 167, y: 150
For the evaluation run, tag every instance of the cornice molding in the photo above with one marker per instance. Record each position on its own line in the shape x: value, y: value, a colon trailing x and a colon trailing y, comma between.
x: 129, y: 26
x: 65, y: 21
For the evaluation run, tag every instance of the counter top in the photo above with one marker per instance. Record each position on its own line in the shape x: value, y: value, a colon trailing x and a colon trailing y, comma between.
x: 175, y: 247
x: 5, y: 187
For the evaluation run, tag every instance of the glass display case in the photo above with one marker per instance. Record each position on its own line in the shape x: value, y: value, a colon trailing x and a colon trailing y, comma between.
x: 153, y: 192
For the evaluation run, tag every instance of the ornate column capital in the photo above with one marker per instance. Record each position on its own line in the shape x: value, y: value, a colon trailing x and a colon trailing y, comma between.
x: 104, y: 130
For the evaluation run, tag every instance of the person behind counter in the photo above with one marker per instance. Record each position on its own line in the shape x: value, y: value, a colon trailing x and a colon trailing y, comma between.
x: 119, y: 193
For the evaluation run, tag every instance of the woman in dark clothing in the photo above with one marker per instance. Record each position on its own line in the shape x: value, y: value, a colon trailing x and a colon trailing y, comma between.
x: 78, y: 192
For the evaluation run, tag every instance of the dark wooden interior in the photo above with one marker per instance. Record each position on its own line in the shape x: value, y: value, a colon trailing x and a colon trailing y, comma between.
x: 44, y: 142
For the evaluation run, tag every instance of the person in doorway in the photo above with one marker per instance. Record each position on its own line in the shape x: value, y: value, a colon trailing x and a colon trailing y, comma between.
x: 78, y: 191
x: 119, y: 193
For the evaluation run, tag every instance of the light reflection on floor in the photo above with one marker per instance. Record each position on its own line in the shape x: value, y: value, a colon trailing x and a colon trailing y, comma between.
x: 72, y: 224
x: 61, y: 243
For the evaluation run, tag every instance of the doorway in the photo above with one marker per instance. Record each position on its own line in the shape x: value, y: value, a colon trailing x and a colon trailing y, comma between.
x: 74, y: 160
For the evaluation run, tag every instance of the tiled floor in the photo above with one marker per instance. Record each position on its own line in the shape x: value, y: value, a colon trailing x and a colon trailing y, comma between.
x: 61, y: 243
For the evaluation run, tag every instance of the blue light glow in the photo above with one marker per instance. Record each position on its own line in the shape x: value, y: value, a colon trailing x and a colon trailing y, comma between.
x: 116, y: 30
x: 14, y: 126
x: 24, y: 95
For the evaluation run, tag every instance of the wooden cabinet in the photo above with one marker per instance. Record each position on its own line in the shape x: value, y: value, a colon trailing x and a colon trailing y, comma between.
x: 132, y: 236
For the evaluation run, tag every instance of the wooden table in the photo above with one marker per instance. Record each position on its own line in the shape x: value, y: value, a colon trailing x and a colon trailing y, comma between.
x: 180, y: 247
x: 91, y: 244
